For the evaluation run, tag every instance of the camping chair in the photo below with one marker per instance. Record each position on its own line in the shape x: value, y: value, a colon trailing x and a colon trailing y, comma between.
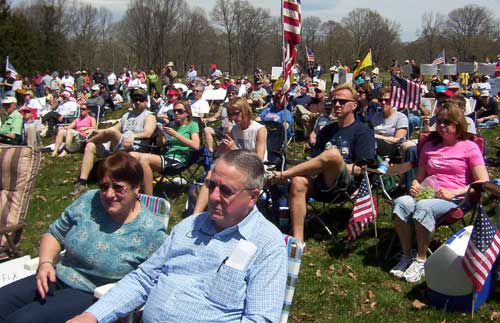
x: 456, y: 214
x: 295, y: 250
x: 18, y: 168
x: 157, y: 205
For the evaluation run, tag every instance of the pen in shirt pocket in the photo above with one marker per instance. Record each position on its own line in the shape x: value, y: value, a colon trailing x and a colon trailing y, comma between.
x: 222, y: 263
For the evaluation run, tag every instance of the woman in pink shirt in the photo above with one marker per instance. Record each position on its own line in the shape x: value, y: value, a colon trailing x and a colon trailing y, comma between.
x: 454, y: 163
x: 75, y: 129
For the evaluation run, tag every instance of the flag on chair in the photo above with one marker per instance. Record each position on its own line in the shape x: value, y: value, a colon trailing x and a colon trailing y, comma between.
x: 482, y: 251
x: 404, y: 93
x: 291, y: 34
x: 365, y: 209
x: 311, y: 58
x: 439, y: 59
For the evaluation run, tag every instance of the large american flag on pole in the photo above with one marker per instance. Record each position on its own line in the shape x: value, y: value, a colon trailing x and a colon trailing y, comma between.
x: 291, y: 34
x: 365, y: 209
x: 404, y: 93
x: 483, y: 249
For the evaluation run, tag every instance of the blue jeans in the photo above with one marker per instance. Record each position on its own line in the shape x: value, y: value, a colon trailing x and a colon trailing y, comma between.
x: 20, y: 302
x: 425, y: 212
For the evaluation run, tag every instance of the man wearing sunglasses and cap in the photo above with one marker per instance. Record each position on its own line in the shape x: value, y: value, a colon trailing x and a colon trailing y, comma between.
x: 225, y: 265
x: 134, y: 125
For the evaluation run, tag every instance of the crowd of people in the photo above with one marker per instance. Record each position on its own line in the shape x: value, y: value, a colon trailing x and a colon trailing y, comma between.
x: 228, y: 263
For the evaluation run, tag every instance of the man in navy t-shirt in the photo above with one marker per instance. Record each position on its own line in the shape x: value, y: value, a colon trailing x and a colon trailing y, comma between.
x: 331, y: 169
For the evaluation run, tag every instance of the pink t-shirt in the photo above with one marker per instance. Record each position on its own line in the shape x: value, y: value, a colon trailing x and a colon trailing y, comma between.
x: 451, y: 165
x: 85, y: 122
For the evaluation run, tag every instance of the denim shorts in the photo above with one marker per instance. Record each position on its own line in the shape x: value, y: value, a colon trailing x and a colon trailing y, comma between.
x: 425, y: 212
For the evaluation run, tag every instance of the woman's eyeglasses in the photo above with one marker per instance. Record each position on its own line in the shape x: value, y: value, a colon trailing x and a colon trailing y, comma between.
x: 117, y: 188
x: 179, y: 111
x: 386, y: 101
x: 234, y: 113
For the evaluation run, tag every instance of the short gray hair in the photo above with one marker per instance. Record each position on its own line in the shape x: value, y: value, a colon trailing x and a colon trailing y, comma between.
x: 249, y: 163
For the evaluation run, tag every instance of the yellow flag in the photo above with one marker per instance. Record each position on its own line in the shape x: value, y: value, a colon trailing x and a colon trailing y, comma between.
x: 366, y: 62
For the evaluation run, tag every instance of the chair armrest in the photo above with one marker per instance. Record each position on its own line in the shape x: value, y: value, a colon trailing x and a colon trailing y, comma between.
x: 101, y: 290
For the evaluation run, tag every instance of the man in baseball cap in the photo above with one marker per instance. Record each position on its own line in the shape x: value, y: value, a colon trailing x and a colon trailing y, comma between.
x: 10, y: 132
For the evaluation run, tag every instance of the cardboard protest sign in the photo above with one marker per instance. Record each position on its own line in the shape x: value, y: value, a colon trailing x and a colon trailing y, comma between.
x: 348, y: 77
x: 448, y: 69
x: 214, y: 95
x: 276, y: 72
x: 465, y: 67
x: 407, y: 69
x: 428, y: 69
x: 429, y: 104
x: 322, y: 85
x: 486, y: 69
x: 470, y: 104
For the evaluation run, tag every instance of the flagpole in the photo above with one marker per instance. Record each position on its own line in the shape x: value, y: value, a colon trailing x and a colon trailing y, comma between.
x: 473, y: 302
x: 368, y: 184
x: 283, y: 98
x: 444, y: 55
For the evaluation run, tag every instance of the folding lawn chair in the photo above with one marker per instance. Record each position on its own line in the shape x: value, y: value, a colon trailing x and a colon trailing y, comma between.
x: 469, y: 204
x: 18, y: 168
x: 295, y: 250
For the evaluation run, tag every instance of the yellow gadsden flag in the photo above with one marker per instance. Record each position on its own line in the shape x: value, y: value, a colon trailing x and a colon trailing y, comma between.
x: 366, y: 62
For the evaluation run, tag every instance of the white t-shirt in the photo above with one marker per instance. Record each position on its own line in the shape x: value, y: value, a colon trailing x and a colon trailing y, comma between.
x: 68, y: 81
x: 117, y: 99
x: 134, y: 84
x: 247, y: 139
x: 199, y: 106
x: 67, y: 108
x: 111, y: 79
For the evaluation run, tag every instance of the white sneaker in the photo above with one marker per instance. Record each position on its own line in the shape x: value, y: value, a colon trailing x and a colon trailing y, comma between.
x: 415, y: 272
x: 401, y: 266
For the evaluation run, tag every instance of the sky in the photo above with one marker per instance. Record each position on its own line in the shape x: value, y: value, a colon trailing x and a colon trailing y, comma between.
x: 407, y: 13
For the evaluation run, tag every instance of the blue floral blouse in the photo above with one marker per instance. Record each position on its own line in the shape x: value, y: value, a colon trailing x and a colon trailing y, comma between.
x: 100, y: 251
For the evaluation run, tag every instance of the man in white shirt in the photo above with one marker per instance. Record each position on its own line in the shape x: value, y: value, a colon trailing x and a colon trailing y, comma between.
x: 68, y: 80
x: 111, y: 80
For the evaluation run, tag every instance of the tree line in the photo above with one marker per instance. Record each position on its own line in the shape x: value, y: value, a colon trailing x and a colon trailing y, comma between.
x: 238, y: 36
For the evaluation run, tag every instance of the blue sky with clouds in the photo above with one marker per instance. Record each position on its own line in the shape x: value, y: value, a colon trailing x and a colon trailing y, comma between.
x: 407, y: 13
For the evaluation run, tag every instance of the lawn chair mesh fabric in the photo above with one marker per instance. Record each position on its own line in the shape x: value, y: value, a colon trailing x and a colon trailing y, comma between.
x: 18, y: 168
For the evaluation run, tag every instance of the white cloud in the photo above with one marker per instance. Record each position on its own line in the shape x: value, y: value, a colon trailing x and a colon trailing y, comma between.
x: 407, y: 13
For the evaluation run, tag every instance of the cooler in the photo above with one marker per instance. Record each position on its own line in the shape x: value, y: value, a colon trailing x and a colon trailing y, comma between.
x: 448, y: 286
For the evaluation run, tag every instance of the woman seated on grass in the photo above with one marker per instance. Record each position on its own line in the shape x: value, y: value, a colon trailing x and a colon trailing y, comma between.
x: 107, y: 233
x: 184, y: 138
x: 76, y: 130
x: 245, y: 134
x: 455, y: 163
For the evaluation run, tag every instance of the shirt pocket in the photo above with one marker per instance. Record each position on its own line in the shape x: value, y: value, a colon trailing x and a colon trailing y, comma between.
x: 227, y: 288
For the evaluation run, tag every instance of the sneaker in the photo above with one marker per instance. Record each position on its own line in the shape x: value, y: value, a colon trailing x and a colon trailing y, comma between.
x: 415, y: 272
x: 272, y: 178
x: 401, y: 266
x: 79, y: 189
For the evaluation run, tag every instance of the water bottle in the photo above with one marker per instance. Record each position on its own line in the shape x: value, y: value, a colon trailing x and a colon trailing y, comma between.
x: 383, y: 166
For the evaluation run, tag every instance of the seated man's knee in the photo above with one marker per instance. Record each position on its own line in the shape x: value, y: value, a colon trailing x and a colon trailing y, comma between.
x: 90, y: 148
x: 298, y: 185
x: 331, y: 156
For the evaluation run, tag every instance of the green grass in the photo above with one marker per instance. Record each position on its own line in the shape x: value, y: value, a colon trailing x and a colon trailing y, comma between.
x: 336, y: 284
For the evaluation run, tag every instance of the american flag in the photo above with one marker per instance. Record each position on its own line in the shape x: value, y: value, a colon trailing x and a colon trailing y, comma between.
x: 291, y: 29
x: 439, y: 59
x: 404, y: 93
x: 10, y: 68
x: 311, y: 58
x: 483, y: 249
x: 365, y: 209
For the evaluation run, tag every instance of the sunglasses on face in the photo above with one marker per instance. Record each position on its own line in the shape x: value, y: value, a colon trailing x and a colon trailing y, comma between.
x: 117, y: 188
x: 444, y: 122
x: 386, y: 101
x: 341, y: 101
x: 225, y: 191
x: 234, y: 113
x: 232, y: 93
x: 179, y: 111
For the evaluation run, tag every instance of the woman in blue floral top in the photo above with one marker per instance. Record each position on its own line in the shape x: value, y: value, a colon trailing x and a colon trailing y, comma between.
x: 106, y: 234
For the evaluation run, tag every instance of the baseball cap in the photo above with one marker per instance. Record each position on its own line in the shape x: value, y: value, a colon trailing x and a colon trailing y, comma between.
x: 485, y: 93
x: 232, y: 88
x: 96, y: 87
x: 172, y: 91
x: 9, y: 100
